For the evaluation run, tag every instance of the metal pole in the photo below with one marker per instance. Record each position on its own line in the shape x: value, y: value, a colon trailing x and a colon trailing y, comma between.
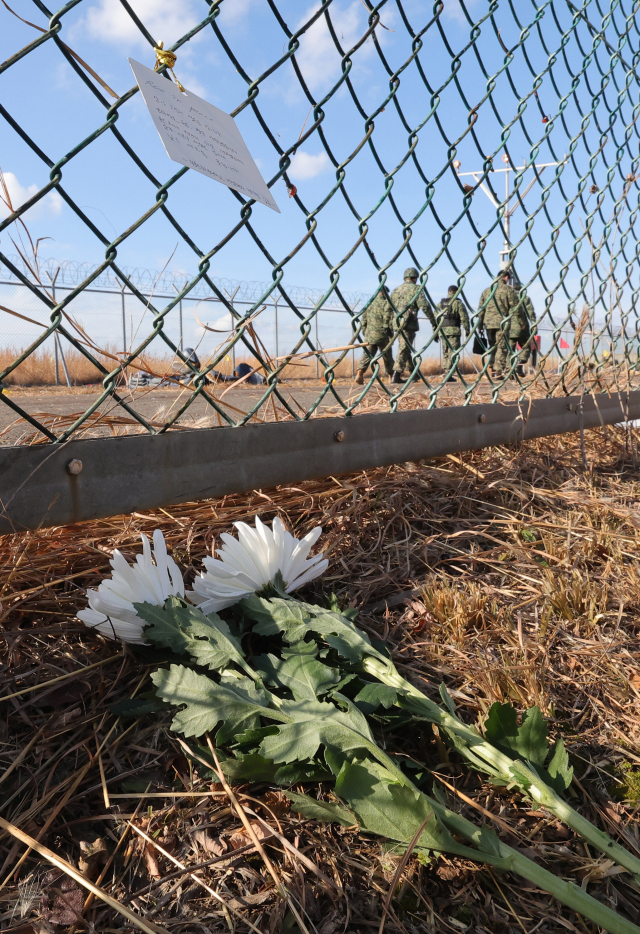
x: 233, y: 325
x: 181, y: 345
x: 124, y: 331
x: 353, y: 353
x: 317, y: 346
x: 275, y: 305
x: 507, y: 213
x: 55, y: 348
x: 56, y: 338
x: 504, y: 253
x: 124, y: 320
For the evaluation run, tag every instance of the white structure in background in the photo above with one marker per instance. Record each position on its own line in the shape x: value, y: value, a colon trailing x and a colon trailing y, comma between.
x: 506, y: 251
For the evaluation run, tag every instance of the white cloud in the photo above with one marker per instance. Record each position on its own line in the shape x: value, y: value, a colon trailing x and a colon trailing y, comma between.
x: 166, y: 20
x: 223, y: 324
x: 305, y: 165
x: 50, y: 205
x: 318, y: 58
x: 453, y: 10
x: 233, y: 10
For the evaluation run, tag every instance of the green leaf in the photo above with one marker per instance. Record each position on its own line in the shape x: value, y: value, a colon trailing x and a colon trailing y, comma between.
x: 448, y: 700
x: 295, y: 772
x: 295, y: 620
x: 186, y: 630
x: 163, y: 624
x: 326, y: 811
x: 559, y: 772
x: 275, y: 616
x: 373, y: 696
x: 533, y: 743
x: 249, y: 768
x: 207, y: 703
x: 335, y: 759
x: 314, y: 723
x: 300, y: 648
x: 528, y: 741
x: 391, y: 810
x: 212, y: 643
x: 253, y: 737
x: 303, y: 675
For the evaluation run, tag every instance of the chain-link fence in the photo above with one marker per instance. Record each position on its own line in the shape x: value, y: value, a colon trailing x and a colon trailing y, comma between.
x: 468, y: 138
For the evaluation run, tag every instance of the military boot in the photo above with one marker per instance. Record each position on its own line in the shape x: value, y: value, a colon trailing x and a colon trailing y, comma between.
x: 360, y: 377
x: 396, y: 378
x: 521, y: 371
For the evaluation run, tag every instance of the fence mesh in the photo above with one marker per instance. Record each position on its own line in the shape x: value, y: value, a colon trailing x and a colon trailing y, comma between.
x: 463, y: 138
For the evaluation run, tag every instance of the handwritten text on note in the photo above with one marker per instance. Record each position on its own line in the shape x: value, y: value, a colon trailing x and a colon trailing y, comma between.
x: 200, y: 136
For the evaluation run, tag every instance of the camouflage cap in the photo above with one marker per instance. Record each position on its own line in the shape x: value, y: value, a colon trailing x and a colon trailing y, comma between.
x: 411, y: 273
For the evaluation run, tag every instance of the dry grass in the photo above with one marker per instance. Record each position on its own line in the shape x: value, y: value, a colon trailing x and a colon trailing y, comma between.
x: 510, y: 574
x: 39, y: 368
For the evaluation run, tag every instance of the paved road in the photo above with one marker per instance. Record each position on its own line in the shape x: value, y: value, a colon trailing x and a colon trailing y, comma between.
x: 58, y: 408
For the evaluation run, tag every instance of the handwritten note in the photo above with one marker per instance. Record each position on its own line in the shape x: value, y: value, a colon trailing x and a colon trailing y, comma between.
x: 198, y: 135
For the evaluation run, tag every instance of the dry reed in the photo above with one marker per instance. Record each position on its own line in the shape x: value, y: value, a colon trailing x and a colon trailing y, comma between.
x: 511, y: 574
x: 39, y: 368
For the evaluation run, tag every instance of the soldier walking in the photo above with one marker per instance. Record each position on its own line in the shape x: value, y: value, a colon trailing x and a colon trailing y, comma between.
x: 406, y: 299
x: 520, y: 331
x: 452, y: 318
x: 377, y: 327
x: 495, y: 314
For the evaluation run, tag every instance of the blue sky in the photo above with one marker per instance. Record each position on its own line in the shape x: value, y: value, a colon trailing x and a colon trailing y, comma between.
x: 55, y: 108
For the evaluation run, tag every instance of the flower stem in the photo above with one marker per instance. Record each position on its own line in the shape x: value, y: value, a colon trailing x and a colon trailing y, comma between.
x: 510, y: 771
x: 507, y: 858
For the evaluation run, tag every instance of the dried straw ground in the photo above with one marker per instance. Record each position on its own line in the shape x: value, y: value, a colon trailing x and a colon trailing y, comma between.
x: 510, y: 574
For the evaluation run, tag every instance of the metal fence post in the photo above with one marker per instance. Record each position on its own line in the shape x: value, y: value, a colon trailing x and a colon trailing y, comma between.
x: 56, y: 337
x: 233, y: 326
x: 124, y: 331
x: 55, y: 351
x: 353, y: 352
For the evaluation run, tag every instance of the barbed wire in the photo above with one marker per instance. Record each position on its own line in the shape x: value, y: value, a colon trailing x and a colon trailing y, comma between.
x: 72, y: 273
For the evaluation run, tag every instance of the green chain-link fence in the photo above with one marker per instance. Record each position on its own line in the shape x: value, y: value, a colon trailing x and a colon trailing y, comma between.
x: 504, y: 136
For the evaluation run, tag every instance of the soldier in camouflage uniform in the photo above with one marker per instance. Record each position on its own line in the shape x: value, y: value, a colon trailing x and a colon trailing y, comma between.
x: 495, y: 315
x: 406, y: 303
x: 377, y: 326
x: 452, y: 317
x: 520, y: 330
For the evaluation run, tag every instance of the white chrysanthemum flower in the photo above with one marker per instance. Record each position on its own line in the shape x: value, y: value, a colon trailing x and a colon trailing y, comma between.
x: 111, y: 610
x: 250, y: 563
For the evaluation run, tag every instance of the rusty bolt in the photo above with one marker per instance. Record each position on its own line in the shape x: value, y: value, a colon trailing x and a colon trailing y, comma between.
x: 338, y: 436
x: 74, y: 467
x: 482, y: 418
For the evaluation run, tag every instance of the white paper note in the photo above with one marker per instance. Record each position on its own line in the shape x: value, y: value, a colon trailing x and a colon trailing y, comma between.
x: 200, y: 136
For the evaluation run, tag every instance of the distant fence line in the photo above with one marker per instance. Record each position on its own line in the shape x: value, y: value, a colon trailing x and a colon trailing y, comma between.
x: 109, y: 316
